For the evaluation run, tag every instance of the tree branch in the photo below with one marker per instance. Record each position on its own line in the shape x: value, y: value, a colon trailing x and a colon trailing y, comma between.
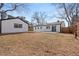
x: 66, y: 12
x: 15, y: 6
x: 1, y: 5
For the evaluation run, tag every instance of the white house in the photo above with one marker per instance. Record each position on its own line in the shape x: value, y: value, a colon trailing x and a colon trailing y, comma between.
x: 13, y: 25
x: 10, y: 24
x: 49, y: 27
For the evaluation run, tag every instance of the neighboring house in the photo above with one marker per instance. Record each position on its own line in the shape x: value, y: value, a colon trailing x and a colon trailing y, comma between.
x: 3, y: 15
x: 49, y: 27
x: 13, y: 25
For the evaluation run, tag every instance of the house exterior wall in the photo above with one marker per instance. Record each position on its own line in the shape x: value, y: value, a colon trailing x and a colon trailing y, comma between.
x: 57, y: 28
x: 8, y: 26
x: 43, y: 29
x: 46, y: 30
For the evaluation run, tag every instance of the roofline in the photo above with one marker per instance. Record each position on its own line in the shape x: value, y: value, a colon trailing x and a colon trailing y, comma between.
x: 47, y: 25
x: 15, y: 18
x: 51, y: 24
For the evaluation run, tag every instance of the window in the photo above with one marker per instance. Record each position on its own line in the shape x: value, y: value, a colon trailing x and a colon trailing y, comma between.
x: 17, y: 25
x: 41, y: 27
x: 47, y: 27
x: 53, y: 28
x: 38, y: 27
x: 20, y: 25
x: 35, y: 28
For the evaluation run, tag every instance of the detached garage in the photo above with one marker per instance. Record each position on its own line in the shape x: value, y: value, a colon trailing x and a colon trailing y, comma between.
x: 13, y: 25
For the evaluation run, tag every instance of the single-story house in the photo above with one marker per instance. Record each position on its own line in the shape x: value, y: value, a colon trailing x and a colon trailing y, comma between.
x: 13, y: 25
x: 10, y: 24
x: 49, y: 27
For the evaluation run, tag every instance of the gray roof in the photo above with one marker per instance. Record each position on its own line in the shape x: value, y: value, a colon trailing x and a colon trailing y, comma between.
x: 53, y: 23
x: 10, y: 17
x: 56, y: 23
x: 16, y: 18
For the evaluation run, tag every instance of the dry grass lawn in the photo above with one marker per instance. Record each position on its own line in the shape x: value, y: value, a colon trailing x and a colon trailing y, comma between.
x: 39, y: 44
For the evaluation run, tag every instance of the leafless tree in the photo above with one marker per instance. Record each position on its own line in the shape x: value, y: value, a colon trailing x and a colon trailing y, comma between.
x: 9, y: 7
x: 43, y: 16
x: 19, y: 7
x: 69, y: 11
x: 39, y: 17
x: 1, y: 5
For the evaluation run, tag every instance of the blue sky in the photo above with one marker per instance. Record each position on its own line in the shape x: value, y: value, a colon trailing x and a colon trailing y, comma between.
x: 49, y: 8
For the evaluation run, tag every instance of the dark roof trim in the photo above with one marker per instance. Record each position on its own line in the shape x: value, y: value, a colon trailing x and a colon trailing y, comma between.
x: 16, y: 18
x: 47, y: 25
x: 55, y: 23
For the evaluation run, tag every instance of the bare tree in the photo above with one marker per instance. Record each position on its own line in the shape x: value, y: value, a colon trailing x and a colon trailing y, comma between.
x: 1, y: 5
x: 19, y: 7
x: 69, y: 11
x: 43, y: 16
x: 36, y: 18
x: 39, y: 17
x: 9, y: 7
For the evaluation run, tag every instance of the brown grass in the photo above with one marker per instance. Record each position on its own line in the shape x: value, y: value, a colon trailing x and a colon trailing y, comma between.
x: 40, y: 44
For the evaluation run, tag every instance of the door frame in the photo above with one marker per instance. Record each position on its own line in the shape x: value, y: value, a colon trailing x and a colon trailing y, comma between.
x: 53, y: 28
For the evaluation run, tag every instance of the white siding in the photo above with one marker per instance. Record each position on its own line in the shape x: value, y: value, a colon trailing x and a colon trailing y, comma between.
x: 8, y: 26
x: 43, y: 29
x: 46, y: 30
x: 57, y: 28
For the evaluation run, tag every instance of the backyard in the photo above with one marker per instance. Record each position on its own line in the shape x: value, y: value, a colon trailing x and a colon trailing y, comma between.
x: 39, y: 44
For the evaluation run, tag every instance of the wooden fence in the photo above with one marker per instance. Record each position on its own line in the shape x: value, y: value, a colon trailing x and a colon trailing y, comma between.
x: 74, y: 29
x: 77, y: 29
x: 67, y: 30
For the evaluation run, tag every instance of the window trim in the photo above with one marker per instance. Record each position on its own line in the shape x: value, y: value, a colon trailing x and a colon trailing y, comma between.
x: 47, y: 27
x: 41, y: 27
x: 16, y: 25
x: 38, y: 27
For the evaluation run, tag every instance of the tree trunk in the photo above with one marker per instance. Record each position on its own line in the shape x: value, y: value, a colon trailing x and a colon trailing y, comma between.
x: 69, y: 27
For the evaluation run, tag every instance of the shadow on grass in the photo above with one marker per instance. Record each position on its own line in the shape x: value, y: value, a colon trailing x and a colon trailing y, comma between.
x: 15, y: 33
